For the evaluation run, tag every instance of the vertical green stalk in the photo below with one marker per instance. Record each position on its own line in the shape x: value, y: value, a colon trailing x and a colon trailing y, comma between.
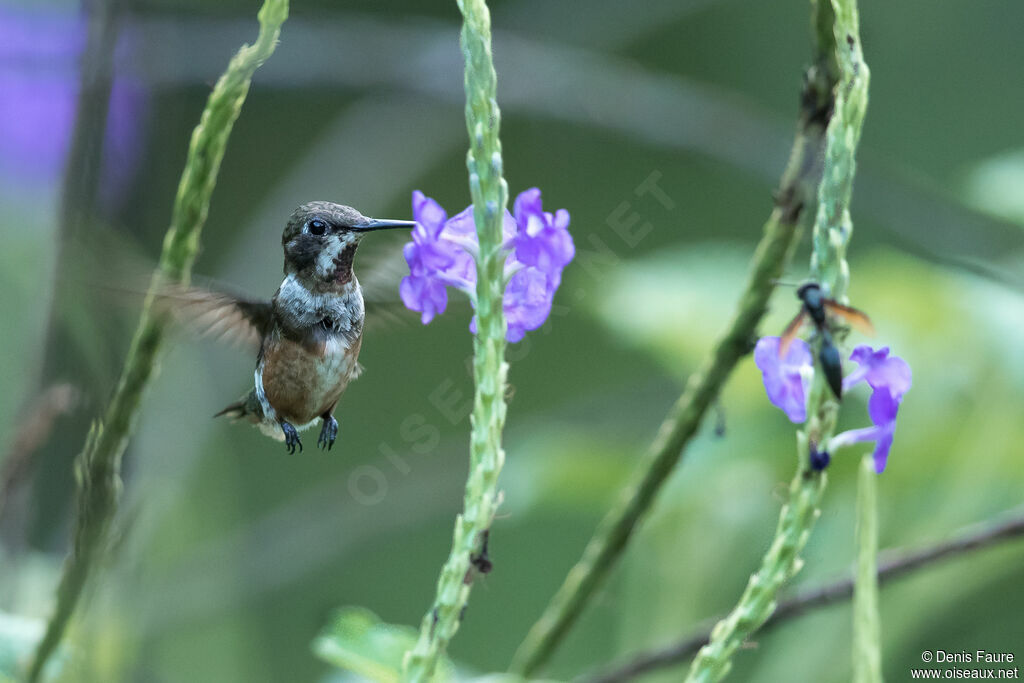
x: 796, y: 195
x: 867, y: 630
x: 836, y: 24
x: 98, y: 466
x: 490, y: 194
x: 780, y: 563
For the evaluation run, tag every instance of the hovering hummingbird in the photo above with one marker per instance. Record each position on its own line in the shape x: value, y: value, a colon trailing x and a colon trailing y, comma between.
x: 308, y: 335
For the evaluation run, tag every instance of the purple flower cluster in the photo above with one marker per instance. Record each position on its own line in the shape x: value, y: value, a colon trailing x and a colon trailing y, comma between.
x: 40, y: 50
x: 442, y: 252
x: 786, y: 380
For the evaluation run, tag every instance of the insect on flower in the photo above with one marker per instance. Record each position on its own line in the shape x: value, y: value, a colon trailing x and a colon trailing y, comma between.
x: 818, y: 307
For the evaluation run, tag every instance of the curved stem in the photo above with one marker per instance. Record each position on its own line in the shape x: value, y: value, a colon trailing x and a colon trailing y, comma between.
x: 867, y: 656
x: 836, y: 23
x: 98, y: 466
x: 794, y: 199
x: 895, y: 562
x: 469, y: 543
x: 780, y: 563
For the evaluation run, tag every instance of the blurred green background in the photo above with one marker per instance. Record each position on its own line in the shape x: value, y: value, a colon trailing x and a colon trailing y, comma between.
x: 230, y: 555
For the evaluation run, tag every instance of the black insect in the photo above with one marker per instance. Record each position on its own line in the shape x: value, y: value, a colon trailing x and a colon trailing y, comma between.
x: 819, y: 459
x: 481, y: 560
x: 818, y: 307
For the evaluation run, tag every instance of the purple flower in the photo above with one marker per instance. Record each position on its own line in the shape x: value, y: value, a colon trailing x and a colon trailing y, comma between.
x: 39, y: 86
x: 786, y: 379
x: 879, y: 369
x: 423, y: 294
x: 527, y: 302
x: 889, y: 378
x: 433, y: 261
x: 442, y: 251
x: 427, y: 253
x: 543, y: 240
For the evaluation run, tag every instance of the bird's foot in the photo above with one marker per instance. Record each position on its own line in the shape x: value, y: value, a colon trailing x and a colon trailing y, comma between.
x: 328, y: 433
x: 291, y: 437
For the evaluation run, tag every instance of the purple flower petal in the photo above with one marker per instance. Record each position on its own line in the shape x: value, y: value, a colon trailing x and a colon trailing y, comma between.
x: 785, y: 380
x: 543, y: 240
x: 881, y: 454
x: 852, y: 436
x: 426, y: 256
x: 881, y: 433
x: 428, y: 214
x: 878, y: 368
x: 882, y: 407
x: 40, y: 51
x: 527, y: 302
x: 425, y: 295
x: 462, y: 267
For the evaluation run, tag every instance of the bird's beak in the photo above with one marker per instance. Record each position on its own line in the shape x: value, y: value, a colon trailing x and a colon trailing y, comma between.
x: 383, y: 225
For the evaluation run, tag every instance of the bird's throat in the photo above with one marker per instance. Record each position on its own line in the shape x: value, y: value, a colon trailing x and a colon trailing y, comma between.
x: 343, y: 265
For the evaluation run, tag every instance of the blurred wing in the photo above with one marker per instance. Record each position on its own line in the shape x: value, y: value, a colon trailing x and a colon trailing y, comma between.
x: 857, y: 319
x: 789, y: 334
x: 224, y: 317
x: 380, y: 274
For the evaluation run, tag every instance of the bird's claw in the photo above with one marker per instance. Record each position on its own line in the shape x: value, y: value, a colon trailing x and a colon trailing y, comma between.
x: 328, y: 433
x: 291, y: 437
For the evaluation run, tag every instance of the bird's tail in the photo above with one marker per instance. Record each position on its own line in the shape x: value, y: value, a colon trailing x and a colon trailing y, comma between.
x: 245, y: 407
x: 234, y: 411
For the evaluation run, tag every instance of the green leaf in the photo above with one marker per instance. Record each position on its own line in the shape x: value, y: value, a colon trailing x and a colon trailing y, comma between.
x: 358, y: 641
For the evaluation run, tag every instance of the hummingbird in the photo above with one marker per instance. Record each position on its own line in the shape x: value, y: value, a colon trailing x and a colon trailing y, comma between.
x: 308, y: 335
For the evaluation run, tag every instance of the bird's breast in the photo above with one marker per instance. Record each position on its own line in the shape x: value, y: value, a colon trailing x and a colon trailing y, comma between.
x: 303, y: 380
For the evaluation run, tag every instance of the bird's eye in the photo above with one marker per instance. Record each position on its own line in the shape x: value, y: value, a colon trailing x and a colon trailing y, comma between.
x: 317, y: 227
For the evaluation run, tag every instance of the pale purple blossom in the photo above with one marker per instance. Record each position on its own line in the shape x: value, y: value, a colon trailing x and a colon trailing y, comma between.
x: 878, y: 368
x: 786, y: 380
x: 428, y: 296
x: 40, y: 60
x: 889, y: 378
x: 543, y: 239
x: 527, y: 302
x: 442, y: 255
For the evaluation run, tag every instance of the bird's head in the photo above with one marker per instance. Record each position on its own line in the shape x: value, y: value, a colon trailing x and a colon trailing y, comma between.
x: 320, y: 241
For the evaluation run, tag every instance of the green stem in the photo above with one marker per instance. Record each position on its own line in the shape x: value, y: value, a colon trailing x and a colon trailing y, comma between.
x: 836, y: 23
x: 867, y: 631
x: 99, y: 464
x: 797, y: 192
x: 490, y: 195
x: 833, y: 227
x: 780, y: 563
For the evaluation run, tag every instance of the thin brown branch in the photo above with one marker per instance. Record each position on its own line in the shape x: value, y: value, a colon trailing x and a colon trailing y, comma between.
x: 34, y: 426
x: 893, y: 563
